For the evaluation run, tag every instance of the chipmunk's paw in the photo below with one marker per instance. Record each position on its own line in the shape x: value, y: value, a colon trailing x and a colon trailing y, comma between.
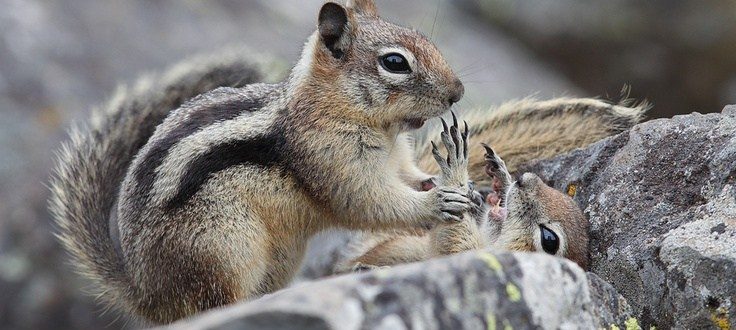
x: 453, y: 168
x: 500, y: 181
x: 451, y: 204
x: 495, y: 166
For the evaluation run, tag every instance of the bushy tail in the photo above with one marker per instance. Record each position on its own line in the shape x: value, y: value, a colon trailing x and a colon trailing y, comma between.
x: 92, y: 164
x: 527, y: 129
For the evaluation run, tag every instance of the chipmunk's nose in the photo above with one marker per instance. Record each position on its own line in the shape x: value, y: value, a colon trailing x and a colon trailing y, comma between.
x: 457, y: 93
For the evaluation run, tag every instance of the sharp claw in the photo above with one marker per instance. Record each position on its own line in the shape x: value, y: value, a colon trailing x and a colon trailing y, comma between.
x: 489, y: 150
x: 465, y: 140
x: 453, y: 135
x: 454, y: 119
x: 444, y: 125
x: 435, y: 151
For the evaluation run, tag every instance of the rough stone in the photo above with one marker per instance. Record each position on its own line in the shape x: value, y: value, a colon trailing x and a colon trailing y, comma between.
x: 729, y: 109
x: 476, y: 290
x: 662, y: 204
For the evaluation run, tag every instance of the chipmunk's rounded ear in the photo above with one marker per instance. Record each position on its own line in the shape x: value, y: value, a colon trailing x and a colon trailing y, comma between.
x: 364, y: 7
x: 334, y: 30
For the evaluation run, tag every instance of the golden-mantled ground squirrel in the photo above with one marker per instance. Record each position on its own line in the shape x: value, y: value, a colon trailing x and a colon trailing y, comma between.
x: 172, y: 206
x: 218, y: 204
x: 517, y: 215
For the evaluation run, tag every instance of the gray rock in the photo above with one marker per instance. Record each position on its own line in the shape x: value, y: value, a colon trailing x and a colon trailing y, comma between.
x: 662, y: 204
x: 469, y: 291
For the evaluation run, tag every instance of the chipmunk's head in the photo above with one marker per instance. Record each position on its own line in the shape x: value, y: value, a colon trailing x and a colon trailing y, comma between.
x: 390, y: 74
x: 543, y: 219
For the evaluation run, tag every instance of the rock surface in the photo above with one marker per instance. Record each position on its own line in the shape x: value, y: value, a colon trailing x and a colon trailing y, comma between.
x: 476, y: 290
x: 662, y: 203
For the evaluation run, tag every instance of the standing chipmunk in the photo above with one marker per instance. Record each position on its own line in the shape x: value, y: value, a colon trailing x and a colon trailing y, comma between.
x: 524, y: 215
x: 218, y: 203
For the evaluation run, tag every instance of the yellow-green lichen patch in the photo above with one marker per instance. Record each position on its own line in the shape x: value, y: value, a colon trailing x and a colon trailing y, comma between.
x: 513, y: 292
x: 632, y: 324
x: 720, y: 318
x: 507, y: 325
x: 491, y: 320
x: 614, y: 327
x: 491, y: 261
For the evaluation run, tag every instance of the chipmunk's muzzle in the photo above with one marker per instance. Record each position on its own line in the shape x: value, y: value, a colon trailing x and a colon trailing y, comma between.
x: 458, y: 90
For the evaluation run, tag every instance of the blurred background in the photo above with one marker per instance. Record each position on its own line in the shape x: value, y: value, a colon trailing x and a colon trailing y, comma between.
x: 59, y: 58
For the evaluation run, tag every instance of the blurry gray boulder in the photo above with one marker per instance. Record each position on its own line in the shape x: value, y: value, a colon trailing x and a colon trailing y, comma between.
x: 677, y: 53
x: 476, y: 290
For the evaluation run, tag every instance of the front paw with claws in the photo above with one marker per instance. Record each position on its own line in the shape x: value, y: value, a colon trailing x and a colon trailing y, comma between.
x: 500, y: 176
x: 453, y: 168
x: 452, y: 204
x: 453, y: 190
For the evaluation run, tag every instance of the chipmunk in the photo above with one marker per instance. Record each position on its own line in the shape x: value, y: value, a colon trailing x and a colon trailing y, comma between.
x: 217, y: 204
x: 520, y: 215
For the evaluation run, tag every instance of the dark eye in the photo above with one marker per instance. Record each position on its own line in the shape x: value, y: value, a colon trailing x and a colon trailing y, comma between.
x: 550, y: 241
x: 395, y: 63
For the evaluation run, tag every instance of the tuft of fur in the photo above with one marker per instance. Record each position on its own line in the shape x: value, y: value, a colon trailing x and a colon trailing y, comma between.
x: 92, y: 164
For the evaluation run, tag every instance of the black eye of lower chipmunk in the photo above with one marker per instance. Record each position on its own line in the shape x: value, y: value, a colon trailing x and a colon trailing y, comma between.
x: 395, y: 63
x: 550, y: 241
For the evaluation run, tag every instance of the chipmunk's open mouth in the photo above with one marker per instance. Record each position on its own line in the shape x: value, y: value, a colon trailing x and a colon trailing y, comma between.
x: 497, y: 212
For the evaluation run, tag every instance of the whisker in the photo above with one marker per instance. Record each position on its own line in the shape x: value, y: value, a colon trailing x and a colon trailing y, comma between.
x: 436, y: 13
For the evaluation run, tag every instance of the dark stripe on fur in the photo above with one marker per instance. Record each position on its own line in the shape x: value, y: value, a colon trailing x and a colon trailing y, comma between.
x: 145, y: 174
x: 366, y: 94
x: 264, y: 151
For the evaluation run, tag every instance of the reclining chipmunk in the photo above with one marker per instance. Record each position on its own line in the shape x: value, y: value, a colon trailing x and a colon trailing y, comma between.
x: 517, y: 215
